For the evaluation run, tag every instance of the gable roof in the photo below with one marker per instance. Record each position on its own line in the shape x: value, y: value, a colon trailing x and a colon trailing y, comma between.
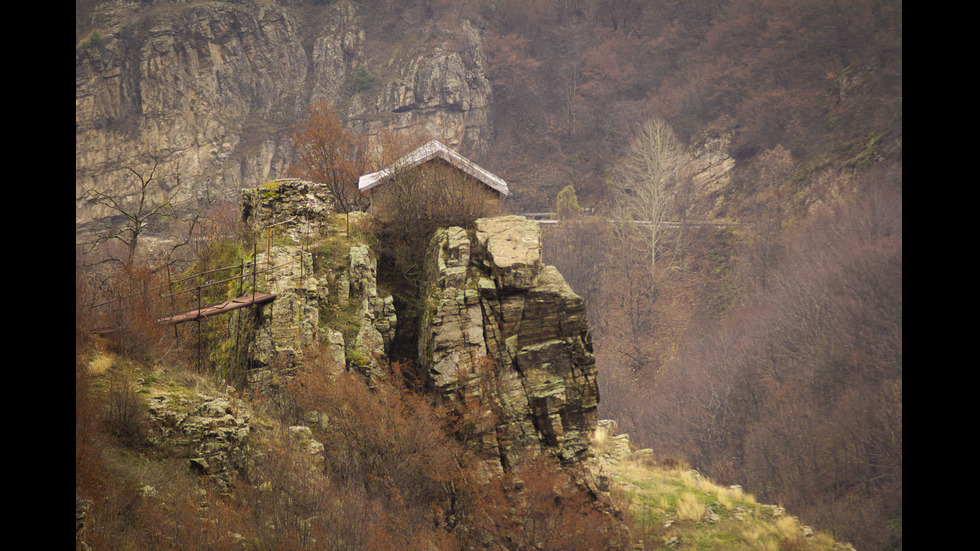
x: 427, y: 152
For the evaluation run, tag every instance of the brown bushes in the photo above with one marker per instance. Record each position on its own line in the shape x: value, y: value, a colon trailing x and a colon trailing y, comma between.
x: 387, y: 452
x: 125, y: 416
x: 387, y: 443
x: 127, y: 312
x: 551, y: 512
x: 288, y: 502
x: 387, y: 476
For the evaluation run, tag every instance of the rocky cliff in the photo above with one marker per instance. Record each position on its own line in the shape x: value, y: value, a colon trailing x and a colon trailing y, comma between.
x: 212, y: 88
x: 504, y: 343
x: 327, y: 298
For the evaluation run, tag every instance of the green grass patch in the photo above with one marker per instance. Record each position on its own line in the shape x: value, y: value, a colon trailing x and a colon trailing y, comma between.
x: 675, y: 507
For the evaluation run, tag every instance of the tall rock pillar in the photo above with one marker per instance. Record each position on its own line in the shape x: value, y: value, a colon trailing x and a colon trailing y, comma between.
x: 504, y: 344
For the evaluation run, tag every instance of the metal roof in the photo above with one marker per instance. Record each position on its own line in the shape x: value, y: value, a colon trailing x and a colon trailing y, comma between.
x: 426, y: 153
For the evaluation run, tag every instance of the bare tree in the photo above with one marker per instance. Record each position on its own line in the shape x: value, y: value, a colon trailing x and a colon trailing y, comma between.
x: 153, y: 204
x: 413, y: 204
x: 645, y: 178
x: 578, y: 245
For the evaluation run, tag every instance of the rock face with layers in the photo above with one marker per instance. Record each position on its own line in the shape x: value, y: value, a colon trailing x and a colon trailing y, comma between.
x: 445, y: 92
x: 297, y: 321
x: 504, y: 344
x: 503, y: 340
x: 213, y: 89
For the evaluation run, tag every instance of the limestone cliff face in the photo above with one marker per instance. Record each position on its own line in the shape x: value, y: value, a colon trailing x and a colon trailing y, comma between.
x: 712, y: 172
x: 212, y: 89
x: 327, y: 299
x: 447, y: 93
x: 188, y: 86
x: 505, y: 344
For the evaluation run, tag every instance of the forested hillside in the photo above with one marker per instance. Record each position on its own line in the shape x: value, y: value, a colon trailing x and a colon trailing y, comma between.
x: 572, y: 79
x: 767, y: 353
x: 756, y: 334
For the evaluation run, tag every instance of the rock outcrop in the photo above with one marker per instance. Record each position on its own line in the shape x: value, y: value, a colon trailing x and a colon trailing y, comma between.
x: 375, y: 315
x: 190, y: 86
x: 447, y: 93
x: 295, y: 206
x: 503, y: 340
x: 335, y: 311
x: 504, y: 344
x: 712, y: 166
x: 211, y: 430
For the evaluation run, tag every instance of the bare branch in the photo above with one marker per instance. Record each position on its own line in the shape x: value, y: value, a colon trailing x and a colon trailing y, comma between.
x: 140, y: 210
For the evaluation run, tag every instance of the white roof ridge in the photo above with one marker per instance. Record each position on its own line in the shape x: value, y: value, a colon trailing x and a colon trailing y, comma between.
x: 433, y: 149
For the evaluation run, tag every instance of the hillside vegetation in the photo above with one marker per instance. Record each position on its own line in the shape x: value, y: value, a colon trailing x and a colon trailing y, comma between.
x: 376, y: 472
x: 672, y: 506
x: 764, y: 352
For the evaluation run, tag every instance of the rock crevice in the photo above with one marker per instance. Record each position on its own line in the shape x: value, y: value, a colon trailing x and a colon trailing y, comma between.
x: 503, y: 341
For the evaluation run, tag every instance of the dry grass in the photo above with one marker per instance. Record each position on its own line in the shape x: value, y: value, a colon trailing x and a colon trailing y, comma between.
x: 100, y: 364
x: 689, y: 507
x: 671, y: 503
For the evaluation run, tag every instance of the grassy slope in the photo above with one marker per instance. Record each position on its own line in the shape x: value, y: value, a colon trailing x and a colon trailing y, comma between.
x: 671, y: 506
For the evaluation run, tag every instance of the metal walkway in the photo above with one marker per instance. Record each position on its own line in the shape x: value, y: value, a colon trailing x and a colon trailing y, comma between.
x: 217, y: 309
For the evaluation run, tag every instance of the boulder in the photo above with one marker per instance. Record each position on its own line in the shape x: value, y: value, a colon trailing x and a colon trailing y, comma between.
x: 212, y: 430
x: 512, y: 245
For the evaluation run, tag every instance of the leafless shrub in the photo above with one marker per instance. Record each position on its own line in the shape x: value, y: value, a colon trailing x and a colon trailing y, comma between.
x: 126, y: 415
x: 128, y: 314
x: 539, y: 505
